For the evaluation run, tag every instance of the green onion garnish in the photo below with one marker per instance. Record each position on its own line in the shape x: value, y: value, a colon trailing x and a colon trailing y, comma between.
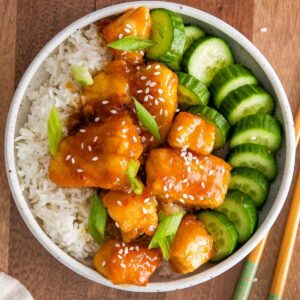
x: 146, y: 119
x: 165, y: 232
x: 82, y: 75
x: 131, y: 43
x: 54, y: 131
x: 97, y: 219
x: 135, y: 184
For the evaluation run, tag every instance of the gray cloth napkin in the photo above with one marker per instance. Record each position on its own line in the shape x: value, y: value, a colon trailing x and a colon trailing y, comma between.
x: 12, y: 289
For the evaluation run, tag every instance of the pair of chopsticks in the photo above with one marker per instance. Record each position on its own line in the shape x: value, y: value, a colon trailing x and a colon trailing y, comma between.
x: 286, y: 249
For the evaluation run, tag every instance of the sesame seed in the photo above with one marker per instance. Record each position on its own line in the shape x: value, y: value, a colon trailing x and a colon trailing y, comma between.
x: 73, y: 160
x: 210, y: 172
x: 152, y: 84
x: 203, y: 184
x: 181, y: 200
x: 134, y: 139
x: 146, y: 98
x: 165, y: 188
x: 143, y: 77
x: 148, y: 67
x: 156, y: 102
x: 160, y: 111
x: 142, y: 52
x: 170, y: 185
x: 166, y: 112
x: 263, y: 29
x: 126, y: 251
x: 148, y: 82
x: 127, y: 30
x: 156, y: 73
x: 117, y: 245
x: 160, y: 91
x: 145, y: 211
x: 131, y: 248
x: 121, y: 35
x: 185, y: 196
x: 121, y: 251
x: 79, y: 170
x: 189, y: 168
x: 177, y: 110
x: 123, y: 244
x: 138, y: 67
x: 95, y: 139
x: 152, y: 139
x: 90, y: 148
x: 179, y: 140
x: 139, y: 91
x: 123, y: 265
x: 113, y: 111
x: 147, y: 90
x: 143, y: 139
x: 119, y: 202
x: 167, y: 196
x: 124, y: 130
x: 103, y: 263
x: 68, y: 156
x: 97, y: 119
x: 128, y: 26
x: 120, y: 257
x: 150, y: 96
x: 95, y: 158
x: 157, y: 67
x: 161, y: 99
x: 82, y: 130
x: 137, y: 248
x: 117, y: 224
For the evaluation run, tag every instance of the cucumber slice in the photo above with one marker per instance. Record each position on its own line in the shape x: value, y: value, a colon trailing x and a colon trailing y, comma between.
x: 244, y: 101
x: 191, y: 91
x: 205, y: 57
x: 241, y: 211
x: 192, y: 33
x: 213, y: 117
x: 256, y: 157
x: 258, y: 129
x: 222, y: 231
x: 251, y: 182
x: 229, y: 79
x: 169, y: 35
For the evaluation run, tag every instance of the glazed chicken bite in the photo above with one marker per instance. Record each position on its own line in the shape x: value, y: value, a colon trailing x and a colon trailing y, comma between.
x: 187, y: 179
x: 110, y: 88
x: 192, y: 132
x: 135, y: 22
x: 126, y: 263
x: 97, y: 155
x: 192, y: 246
x: 133, y: 214
x: 156, y: 89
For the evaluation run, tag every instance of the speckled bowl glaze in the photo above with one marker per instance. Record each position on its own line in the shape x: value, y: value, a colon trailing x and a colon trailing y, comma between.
x: 245, y: 53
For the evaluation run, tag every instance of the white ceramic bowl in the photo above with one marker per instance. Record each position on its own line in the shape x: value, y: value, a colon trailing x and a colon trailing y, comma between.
x: 247, y: 54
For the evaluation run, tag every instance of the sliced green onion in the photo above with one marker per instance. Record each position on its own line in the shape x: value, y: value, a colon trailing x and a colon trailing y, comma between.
x: 82, y: 75
x: 165, y: 232
x: 131, y: 43
x: 97, y: 219
x: 54, y: 131
x: 146, y: 119
x: 135, y: 184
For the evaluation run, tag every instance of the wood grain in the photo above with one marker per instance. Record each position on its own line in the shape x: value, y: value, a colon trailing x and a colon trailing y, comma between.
x: 25, y: 26
x: 7, y: 77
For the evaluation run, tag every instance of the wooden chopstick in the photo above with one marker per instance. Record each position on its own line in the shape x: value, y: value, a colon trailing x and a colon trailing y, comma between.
x: 289, y: 235
x: 245, y: 282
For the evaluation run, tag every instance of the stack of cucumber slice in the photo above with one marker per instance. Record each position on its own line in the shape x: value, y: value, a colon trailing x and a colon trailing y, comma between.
x: 205, y: 68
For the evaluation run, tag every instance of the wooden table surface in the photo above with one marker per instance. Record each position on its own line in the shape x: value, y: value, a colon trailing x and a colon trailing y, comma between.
x: 25, y: 26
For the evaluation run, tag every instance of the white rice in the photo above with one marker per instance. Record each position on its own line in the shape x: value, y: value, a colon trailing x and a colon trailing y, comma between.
x: 62, y: 212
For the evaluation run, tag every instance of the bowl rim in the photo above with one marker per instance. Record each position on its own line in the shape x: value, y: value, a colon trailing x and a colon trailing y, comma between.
x: 75, y: 265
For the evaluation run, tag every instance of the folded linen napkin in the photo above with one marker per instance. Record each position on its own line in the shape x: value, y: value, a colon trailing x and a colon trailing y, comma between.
x: 12, y: 289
